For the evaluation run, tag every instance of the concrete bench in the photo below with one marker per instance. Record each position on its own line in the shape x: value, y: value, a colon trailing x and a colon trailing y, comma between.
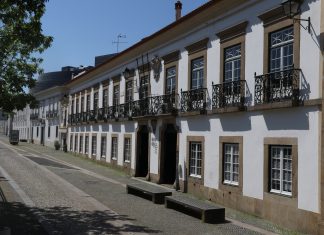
x: 156, y: 194
x: 206, y: 212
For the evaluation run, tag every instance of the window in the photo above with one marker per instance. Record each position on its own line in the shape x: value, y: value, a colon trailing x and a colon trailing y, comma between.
x: 114, y: 148
x: 105, y: 98
x: 129, y: 91
x: 144, y: 86
x: 94, y: 145
x: 71, y: 143
x: 77, y: 105
x: 170, y: 80
x: 232, y: 63
x: 72, y: 106
x: 37, y: 131
x: 103, y: 146
x: 281, y: 169
x: 231, y: 164
x: 281, y: 49
x: 75, y: 143
x: 86, y: 145
x: 88, y: 103
x: 127, y: 149
x: 116, y: 95
x: 195, y: 158
x: 197, y: 73
x: 56, y: 132
x: 95, y: 101
x: 82, y: 103
x: 81, y: 144
x: 49, y: 131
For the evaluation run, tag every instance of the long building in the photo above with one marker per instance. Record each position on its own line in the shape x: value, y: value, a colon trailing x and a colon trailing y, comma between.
x: 224, y: 103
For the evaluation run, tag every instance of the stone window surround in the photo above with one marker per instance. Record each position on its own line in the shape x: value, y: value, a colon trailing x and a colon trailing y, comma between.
x: 191, y: 179
x: 293, y: 142
x: 230, y: 140
x: 195, y: 51
x: 275, y: 20
x: 229, y: 37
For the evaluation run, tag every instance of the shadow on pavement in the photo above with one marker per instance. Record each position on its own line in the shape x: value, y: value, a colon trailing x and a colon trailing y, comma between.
x: 64, y: 220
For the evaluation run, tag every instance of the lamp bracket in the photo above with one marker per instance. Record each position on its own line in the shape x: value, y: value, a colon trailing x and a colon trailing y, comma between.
x: 308, y: 27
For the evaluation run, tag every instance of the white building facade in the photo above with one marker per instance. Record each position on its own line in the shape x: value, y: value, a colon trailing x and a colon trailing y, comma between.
x: 224, y: 103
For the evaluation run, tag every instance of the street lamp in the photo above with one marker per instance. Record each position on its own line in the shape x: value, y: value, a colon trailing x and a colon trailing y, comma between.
x: 291, y: 8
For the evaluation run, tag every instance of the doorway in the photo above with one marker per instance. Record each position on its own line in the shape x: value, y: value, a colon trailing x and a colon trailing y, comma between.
x: 169, y: 155
x: 142, y: 162
x: 42, y: 135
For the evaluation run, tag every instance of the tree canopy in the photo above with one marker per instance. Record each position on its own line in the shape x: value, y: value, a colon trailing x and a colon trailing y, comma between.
x: 21, y: 43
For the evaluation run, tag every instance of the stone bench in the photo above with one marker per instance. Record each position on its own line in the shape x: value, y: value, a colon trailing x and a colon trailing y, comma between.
x: 207, y: 212
x: 156, y: 194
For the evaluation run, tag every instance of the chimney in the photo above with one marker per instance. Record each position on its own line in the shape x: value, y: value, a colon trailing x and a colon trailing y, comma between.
x: 178, y: 8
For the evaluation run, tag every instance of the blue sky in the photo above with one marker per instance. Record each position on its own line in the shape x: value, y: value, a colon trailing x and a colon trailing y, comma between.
x: 83, y: 29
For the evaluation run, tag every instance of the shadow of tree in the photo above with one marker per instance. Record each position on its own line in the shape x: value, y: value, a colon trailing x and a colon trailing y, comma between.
x: 65, y: 220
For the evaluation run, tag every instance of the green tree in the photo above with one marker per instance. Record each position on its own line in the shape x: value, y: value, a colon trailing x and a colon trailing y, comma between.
x: 21, y: 43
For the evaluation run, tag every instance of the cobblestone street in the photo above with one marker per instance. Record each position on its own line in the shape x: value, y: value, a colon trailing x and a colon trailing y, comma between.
x: 72, y: 195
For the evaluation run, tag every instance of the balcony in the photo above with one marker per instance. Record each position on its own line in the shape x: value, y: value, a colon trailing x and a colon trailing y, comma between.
x: 51, y: 114
x: 194, y: 100
x: 229, y: 94
x: 155, y: 105
x: 34, y: 116
x: 277, y: 86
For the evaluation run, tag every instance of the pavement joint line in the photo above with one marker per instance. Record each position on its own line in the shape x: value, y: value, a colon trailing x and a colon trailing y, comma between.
x: 235, y: 222
x: 48, y: 157
x: 98, y: 205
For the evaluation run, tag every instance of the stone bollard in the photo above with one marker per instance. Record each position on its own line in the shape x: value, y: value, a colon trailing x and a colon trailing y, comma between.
x: 5, y: 231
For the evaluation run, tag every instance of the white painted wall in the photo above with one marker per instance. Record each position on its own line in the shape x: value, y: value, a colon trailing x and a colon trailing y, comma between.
x: 301, y: 123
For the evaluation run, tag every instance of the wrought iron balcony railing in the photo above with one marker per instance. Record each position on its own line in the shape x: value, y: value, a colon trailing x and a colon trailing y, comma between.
x: 277, y: 86
x: 229, y: 94
x: 194, y: 100
x: 155, y: 105
x: 34, y: 116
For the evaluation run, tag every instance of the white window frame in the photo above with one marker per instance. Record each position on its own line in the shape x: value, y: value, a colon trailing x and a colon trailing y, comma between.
x: 86, y: 144
x: 281, y: 169
x: 103, y: 147
x: 114, y: 148
x: 232, y: 154
x: 171, y: 77
x: 127, y: 149
x: 196, y: 72
x: 194, y: 158
x: 81, y: 144
x: 232, y: 60
x: 281, y: 45
x: 94, y: 145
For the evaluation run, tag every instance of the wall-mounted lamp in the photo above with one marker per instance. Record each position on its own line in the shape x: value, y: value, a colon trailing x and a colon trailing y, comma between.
x: 292, y: 8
